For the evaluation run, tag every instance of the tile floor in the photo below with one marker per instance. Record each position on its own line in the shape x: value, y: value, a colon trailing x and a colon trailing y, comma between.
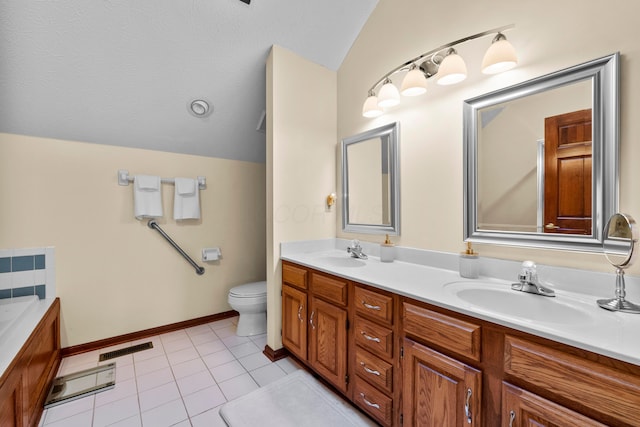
x: 181, y: 381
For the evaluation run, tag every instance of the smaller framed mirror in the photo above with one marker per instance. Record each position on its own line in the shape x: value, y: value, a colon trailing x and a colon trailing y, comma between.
x: 370, y: 181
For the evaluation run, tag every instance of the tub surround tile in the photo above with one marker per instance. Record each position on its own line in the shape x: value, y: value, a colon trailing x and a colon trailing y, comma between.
x: 5, y: 265
x: 23, y: 263
x: 27, y: 268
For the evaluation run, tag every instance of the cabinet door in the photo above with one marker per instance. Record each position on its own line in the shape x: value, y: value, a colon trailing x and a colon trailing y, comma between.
x: 521, y: 408
x: 328, y: 341
x: 11, y: 403
x: 294, y: 321
x: 438, y: 390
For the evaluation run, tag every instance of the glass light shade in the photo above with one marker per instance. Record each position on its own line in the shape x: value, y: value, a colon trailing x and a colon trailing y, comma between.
x: 388, y: 95
x: 370, y: 108
x: 414, y: 83
x: 501, y: 56
x: 452, y: 70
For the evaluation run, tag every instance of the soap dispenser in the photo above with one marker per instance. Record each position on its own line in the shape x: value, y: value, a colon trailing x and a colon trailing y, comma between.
x: 469, y: 263
x: 387, y: 250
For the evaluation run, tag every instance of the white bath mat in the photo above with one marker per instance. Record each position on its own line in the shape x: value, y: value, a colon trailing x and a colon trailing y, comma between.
x: 293, y: 401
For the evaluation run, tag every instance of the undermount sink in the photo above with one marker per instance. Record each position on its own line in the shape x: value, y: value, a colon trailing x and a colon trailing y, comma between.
x: 342, y: 261
x: 501, y: 299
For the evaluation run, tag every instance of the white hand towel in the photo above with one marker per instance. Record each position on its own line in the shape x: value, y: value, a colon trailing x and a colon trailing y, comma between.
x: 147, y: 196
x: 186, y: 201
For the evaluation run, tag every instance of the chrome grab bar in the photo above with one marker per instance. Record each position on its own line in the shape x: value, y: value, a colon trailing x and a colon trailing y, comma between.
x: 153, y: 224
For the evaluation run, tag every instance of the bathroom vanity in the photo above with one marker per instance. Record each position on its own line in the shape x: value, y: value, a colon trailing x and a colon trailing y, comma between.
x: 400, y: 343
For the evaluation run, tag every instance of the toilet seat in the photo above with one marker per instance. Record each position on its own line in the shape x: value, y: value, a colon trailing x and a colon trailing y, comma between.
x: 249, y: 290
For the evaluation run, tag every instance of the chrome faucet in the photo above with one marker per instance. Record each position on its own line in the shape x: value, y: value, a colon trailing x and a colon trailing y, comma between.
x: 356, y: 250
x: 528, y: 281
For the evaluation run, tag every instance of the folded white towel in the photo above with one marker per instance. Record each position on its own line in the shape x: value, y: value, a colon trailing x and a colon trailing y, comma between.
x: 185, y: 186
x: 147, y: 196
x: 186, y: 201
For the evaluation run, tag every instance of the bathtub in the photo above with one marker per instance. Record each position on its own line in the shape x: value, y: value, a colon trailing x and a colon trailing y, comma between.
x: 18, y: 319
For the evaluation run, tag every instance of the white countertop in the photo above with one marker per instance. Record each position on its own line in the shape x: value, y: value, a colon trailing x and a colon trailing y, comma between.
x: 612, y: 334
x: 12, y: 341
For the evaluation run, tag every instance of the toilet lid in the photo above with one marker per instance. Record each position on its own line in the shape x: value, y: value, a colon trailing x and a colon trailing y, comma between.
x: 249, y: 290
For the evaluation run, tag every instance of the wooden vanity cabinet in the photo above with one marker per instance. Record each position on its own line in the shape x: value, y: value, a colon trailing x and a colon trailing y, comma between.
x: 407, y: 362
x: 25, y: 384
x: 314, y: 321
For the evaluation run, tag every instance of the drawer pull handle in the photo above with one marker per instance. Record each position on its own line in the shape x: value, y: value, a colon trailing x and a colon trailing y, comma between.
x: 512, y: 416
x: 370, y: 371
x: 373, y: 405
x: 371, y: 307
x: 370, y: 338
x: 311, y: 320
x: 467, y: 406
x: 299, y: 310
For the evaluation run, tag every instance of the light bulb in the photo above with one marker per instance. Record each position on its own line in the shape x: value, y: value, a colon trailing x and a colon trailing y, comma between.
x: 501, y: 56
x: 370, y: 107
x: 414, y: 83
x: 388, y: 95
x: 452, y: 70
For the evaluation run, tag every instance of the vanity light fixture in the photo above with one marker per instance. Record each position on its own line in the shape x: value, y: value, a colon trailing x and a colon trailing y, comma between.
x: 444, y: 64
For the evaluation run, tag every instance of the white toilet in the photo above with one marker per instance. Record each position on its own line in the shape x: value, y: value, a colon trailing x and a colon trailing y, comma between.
x: 250, y: 300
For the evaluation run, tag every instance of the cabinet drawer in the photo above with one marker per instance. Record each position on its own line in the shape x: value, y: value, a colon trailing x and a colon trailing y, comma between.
x: 374, y: 304
x: 528, y: 409
x: 374, y: 370
x: 295, y: 276
x: 329, y: 288
x: 374, y: 402
x: 375, y: 338
x: 445, y: 331
x: 601, y: 388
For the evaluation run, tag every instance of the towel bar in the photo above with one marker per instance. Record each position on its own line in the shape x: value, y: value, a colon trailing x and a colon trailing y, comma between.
x: 153, y: 224
x: 125, y: 179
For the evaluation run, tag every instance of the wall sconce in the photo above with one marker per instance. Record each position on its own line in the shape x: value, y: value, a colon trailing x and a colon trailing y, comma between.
x: 444, y: 64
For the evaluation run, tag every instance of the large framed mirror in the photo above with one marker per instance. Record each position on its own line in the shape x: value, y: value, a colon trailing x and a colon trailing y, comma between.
x: 541, y: 159
x: 370, y: 181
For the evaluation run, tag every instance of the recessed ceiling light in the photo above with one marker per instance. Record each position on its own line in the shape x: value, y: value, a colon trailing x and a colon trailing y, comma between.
x: 200, y: 108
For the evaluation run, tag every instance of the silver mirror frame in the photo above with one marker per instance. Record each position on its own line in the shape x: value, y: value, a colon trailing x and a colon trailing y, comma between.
x: 390, y: 132
x: 604, y: 73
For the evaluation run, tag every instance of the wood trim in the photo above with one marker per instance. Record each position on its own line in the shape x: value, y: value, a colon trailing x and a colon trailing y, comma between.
x: 275, y: 355
x: 133, y: 336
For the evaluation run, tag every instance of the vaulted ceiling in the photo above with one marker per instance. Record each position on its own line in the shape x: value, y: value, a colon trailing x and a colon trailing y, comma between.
x: 124, y: 72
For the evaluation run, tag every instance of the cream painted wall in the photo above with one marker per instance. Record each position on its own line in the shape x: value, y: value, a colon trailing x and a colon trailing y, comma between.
x: 114, y: 275
x: 301, y: 147
x: 548, y: 36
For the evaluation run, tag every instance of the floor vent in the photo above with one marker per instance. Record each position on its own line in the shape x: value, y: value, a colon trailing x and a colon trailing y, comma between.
x: 124, y: 351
